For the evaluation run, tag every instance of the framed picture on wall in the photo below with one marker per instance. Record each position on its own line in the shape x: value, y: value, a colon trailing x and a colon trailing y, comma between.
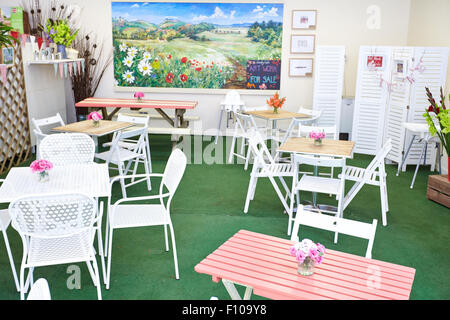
x: 304, y: 19
x: 375, y: 62
x: 302, y: 67
x: 400, y: 67
x: 302, y: 43
x: 7, y: 55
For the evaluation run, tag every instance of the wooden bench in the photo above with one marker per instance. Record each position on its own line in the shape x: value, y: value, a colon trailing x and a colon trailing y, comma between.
x: 157, y: 116
x: 439, y: 189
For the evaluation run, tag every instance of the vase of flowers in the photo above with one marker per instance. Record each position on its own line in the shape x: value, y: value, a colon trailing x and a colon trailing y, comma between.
x: 438, y: 119
x: 139, y: 95
x: 317, y: 137
x: 61, y: 34
x: 307, y: 254
x: 276, y: 102
x: 41, y: 168
x: 95, y: 117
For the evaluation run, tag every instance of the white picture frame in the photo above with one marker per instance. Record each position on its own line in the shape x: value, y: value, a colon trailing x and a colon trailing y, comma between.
x: 400, y: 68
x: 303, y: 43
x: 304, y: 19
x: 301, y: 67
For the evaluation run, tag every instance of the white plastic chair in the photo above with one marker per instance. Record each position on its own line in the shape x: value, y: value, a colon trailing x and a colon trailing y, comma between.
x: 67, y: 148
x: 374, y: 174
x: 130, y: 144
x: 120, y: 156
x: 56, y: 229
x: 41, y: 125
x: 336, y: 225
x: 5, y: 220
x: 39, y: 290
x: 265, y: 167
x: 232, y: 103
x: 122, y: 215
x: 317, y: 184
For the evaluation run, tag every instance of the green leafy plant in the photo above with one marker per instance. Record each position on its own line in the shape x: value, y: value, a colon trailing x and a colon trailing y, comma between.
x: 60, y: 32
x: 5, y: 38
x: 438, y: 119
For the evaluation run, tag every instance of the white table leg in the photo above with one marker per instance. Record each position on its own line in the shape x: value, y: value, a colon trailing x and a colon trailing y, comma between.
x: 234, y: 294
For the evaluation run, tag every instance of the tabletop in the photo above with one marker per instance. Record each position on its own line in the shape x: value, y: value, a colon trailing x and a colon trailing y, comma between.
x: 281, y: 115
x: 263, y: 262
x: 134, y: 103
x: 86, y: 126
x: 329, y: 147
x: 91, y: 179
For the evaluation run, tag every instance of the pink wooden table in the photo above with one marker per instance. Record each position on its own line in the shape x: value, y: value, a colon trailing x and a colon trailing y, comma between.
x: 263, y: 265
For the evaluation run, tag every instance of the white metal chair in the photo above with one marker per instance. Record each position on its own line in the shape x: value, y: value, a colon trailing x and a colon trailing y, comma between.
x: 67, y: 148
x: 39, y: 290
x: 120, y: 156
x: 315, y: 114
x: 232, y: 103
x: 56, y: 229
x: 265, y: 167
x: 5, y: 220
x: 317, y: 184
x: 130, y: 144
x: 374, y: 174
x: 122, y: 215
x: 336, y: 225
x: 41, y: 128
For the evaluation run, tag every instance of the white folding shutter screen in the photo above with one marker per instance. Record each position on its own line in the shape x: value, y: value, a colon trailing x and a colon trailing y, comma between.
x: 398, y: 103
x: 370, y: 101
x: 328, y: 83
x: 435, y: 61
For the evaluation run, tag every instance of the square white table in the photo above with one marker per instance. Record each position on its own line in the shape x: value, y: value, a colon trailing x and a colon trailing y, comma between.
x: 90, y: 179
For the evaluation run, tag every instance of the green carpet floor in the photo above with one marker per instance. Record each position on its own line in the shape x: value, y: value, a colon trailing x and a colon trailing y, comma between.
x: 208, y: 209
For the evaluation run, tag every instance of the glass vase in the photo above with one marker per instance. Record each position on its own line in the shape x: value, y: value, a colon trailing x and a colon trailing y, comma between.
x: 318, y: 142
x: 275, y: 110
x: 96, y: 123
x: 43, y: 176
x: 306, y: 268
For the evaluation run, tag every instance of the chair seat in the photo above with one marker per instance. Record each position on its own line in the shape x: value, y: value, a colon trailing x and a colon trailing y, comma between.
x: 60, y: 250
x: 319, y: 184
x: 279, y: 169
x: 5, y: 219
x: 139, y: 215
x: 122, y: 156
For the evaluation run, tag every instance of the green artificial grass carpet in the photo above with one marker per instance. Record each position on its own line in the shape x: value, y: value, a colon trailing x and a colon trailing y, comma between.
x: 207, y: 209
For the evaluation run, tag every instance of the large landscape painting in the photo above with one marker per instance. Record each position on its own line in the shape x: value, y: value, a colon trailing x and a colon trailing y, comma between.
x: 197, y: 45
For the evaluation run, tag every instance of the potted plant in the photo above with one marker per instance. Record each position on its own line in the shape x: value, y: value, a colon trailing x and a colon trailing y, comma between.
x: 438, y: 120
x: 60, y: 33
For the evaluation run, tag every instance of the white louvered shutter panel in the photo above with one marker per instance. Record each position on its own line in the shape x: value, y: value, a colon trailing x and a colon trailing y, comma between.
x: 398, y: 104
x: 328, y: 83
x: 435, y: 61
x: 370, y: 102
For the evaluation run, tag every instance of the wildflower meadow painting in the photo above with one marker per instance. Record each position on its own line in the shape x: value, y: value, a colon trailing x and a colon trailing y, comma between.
x: 197, y: 45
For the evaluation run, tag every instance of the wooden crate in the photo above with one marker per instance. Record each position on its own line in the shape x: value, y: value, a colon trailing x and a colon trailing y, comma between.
x: 439, y: 189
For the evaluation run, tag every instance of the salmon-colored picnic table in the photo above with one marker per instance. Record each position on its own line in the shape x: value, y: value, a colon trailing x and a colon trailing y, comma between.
x: 180, y: 107
x: 263, y: 265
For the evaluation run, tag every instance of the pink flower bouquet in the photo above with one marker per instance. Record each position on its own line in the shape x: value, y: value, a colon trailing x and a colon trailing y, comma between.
x: 41, y: 167
x: 308, y: 254
x: 139, y: 95
x: 317, y: 136
x: 96, y: 117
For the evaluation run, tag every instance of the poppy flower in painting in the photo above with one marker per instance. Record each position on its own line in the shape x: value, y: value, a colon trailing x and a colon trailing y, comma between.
x: 198, y: 69
x: 183, y: 60
x: 169, y: 56
x: 183, y: 77
x: 169, y: 77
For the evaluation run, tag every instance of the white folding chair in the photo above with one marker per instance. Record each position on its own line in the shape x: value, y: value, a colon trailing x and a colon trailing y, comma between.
x: 336, y: 225
x: 42, y: 128
x: 39, y: 290
x: 265, y: 167
x: 130, y: 144
x: 317, y: 184
x: 56, y: 229
x: 315, y: 114
x: 374, y: 174
x: 5, y: 220
x: 119, y: 156
x: 122, y: 215
x: 67, y: 148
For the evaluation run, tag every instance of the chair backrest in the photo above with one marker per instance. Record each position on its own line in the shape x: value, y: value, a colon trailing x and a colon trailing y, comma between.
x: 39, y: 124
x: 335, y: 224
x: 142, y: 120
x: 174, y: 170
x: 259, y: 148
x: 39, y: 290
x: 315, y: 114
x: 379, y: 157
x: 67, y: 148
x: 245, y: 122
x: 53, y: 215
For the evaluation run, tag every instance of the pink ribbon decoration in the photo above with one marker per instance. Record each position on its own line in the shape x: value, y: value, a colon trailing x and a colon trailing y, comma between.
x: 69, y: 65
x: 3, y: 68
x: 24, y: 39
x: 61, y: 70
x: 410, y: 79
x: 79, y: 66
